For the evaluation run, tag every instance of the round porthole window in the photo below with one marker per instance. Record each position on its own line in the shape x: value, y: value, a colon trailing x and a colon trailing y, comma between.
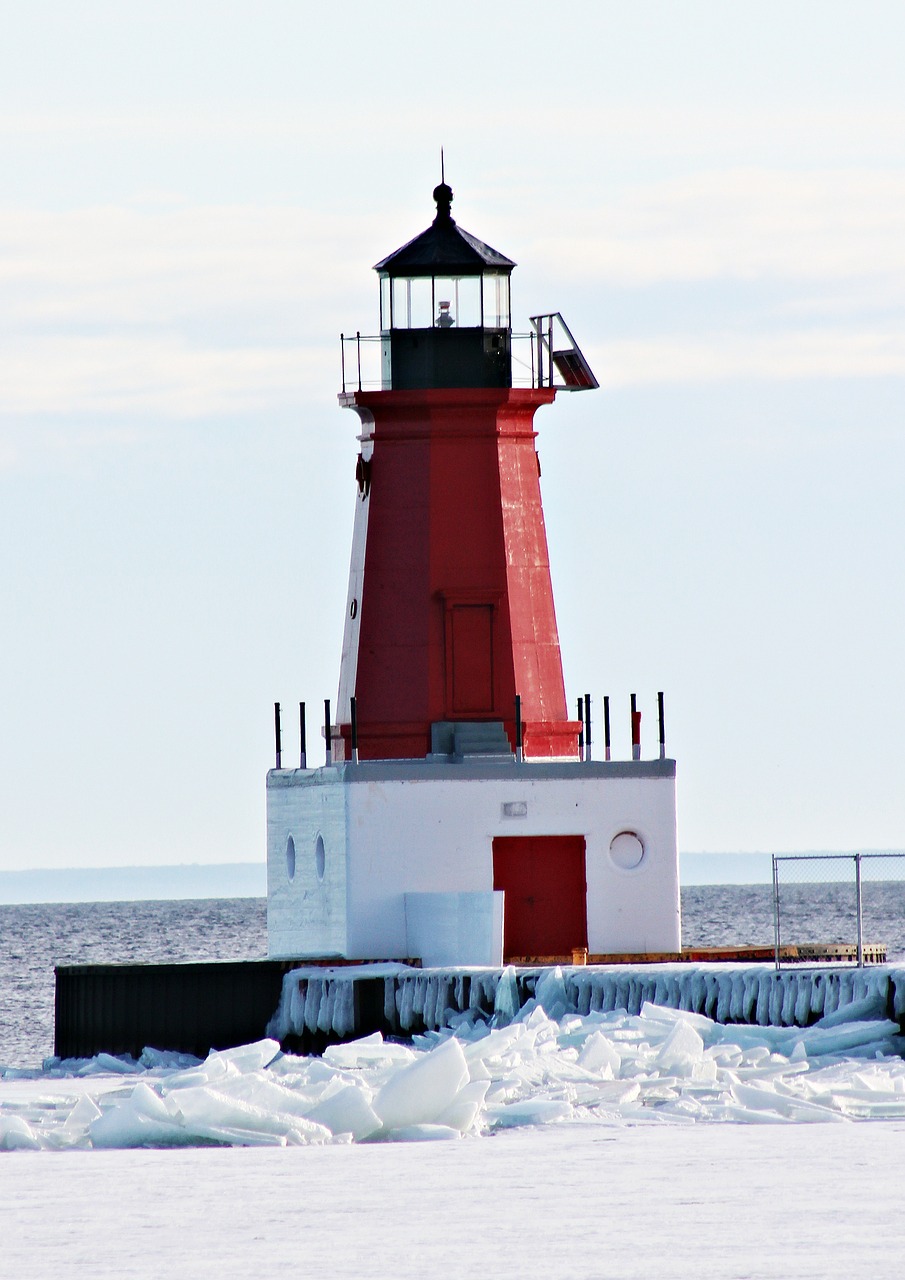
x: 320, y: 857
x: 626, y: 850
x: 290, y: 858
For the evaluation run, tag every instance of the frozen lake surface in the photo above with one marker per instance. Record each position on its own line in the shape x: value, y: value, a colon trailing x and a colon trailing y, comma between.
x: 720, y: 1203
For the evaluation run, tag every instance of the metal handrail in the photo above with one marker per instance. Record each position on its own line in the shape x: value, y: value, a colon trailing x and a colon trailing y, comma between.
x: 359, y: 373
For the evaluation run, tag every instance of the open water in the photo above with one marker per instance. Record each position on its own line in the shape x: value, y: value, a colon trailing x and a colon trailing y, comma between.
x: 33, y: 938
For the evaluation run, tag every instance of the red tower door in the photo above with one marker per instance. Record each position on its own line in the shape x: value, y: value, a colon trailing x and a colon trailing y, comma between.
x: 545, y: 909
x: 470, y: 648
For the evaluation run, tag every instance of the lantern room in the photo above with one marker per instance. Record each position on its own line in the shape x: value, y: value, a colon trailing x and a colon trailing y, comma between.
x: 444, y: 309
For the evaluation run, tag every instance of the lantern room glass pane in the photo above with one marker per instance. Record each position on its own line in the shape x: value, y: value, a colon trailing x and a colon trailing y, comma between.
x: 402, y: 304
x: 412, y: 302
x: 422, y: 302
x: 385, y: 313
x: 496, y: 301
x: 457, y: 301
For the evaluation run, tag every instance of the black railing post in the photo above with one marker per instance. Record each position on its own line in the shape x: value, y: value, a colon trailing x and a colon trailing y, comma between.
x: 662, y: 726
x: 328, y: 733
x: 303, y: 745
x: 581, y: 730
x: 519, y: 753
x: 277, y: 736
x: 587, y: 726
x: 358, y: 344
x: 606, y: 727
x: 353, y: 705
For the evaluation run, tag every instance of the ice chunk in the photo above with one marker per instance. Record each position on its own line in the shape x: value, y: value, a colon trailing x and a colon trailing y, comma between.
x: 846, y: 1037
x: 215, y: 1068
x: 529, y: 1111
x: 760, y: 1097
x: 871, y: 1008
x: 107, y: 1064
x: 681, y: 1051
x: 550, y: 993
x: 167, y: 1059
x: 506, y: 999
x: 124, y: 1065
x: 600, y: 1056
x: 16, y: 1134
x: 659, y: 1013
x: 419, y: 1091
x: 125, y: 1125
x: 423, y: 1133
x: 209, y: 1113
x: 347, y: 1111
x: 368, y: 1051
x: 248, y: 1057
x: 465, y: 1108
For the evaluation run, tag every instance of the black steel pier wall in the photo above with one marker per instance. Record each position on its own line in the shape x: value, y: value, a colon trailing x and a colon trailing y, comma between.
x: 193, y: 1008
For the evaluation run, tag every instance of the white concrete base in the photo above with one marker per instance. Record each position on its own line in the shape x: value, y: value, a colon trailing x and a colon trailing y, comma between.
x: 346, y: 843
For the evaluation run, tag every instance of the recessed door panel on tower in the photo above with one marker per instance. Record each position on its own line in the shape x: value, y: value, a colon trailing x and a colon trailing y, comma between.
x: 470, y: 657
x: 545, y: 910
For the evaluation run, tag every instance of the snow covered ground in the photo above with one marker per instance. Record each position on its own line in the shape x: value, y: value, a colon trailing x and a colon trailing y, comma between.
x: 809, y: 1202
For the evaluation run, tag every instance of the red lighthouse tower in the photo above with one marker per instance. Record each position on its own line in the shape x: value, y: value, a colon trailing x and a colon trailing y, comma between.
x: 427, y: 832
x: 450, y: 611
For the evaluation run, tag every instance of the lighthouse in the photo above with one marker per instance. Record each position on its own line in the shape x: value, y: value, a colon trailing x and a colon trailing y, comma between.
x: 459, y: 817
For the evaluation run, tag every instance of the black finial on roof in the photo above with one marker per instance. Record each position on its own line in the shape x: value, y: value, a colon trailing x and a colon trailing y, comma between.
x: 443, y: 246
x: 443, y: 196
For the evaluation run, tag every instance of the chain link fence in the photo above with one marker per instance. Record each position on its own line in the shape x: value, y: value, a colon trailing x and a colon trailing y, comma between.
x: 845, y: 906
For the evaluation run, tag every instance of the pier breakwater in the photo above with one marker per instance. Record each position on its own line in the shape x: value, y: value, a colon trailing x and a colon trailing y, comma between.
x: 197, y: 1007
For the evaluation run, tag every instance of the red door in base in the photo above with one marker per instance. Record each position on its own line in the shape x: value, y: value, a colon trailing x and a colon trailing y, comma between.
x: 545, y: 909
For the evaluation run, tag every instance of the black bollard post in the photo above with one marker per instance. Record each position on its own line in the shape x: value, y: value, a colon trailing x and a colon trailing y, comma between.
x: 662, y: 727
x: 328, y: 732
x: 581, y: 730
x: 606, y: 727
x: 519, y: 753
x: 587, y: 726
x: 277, y: 736
x: 636, y: 730
x: 303, y: 746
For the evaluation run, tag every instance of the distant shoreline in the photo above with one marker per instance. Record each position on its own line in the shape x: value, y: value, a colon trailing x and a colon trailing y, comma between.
x: 249, y: 879
x: 134, y: 884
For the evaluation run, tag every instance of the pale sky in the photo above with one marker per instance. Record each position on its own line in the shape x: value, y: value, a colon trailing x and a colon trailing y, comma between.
x: 191, y: 200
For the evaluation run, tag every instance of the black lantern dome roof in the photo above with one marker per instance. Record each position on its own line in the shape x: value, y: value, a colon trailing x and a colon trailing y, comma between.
x: 444, y: 248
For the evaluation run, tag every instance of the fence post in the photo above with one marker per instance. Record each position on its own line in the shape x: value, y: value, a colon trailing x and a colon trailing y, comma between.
x: 860, y: 918
x: 775, y: 911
